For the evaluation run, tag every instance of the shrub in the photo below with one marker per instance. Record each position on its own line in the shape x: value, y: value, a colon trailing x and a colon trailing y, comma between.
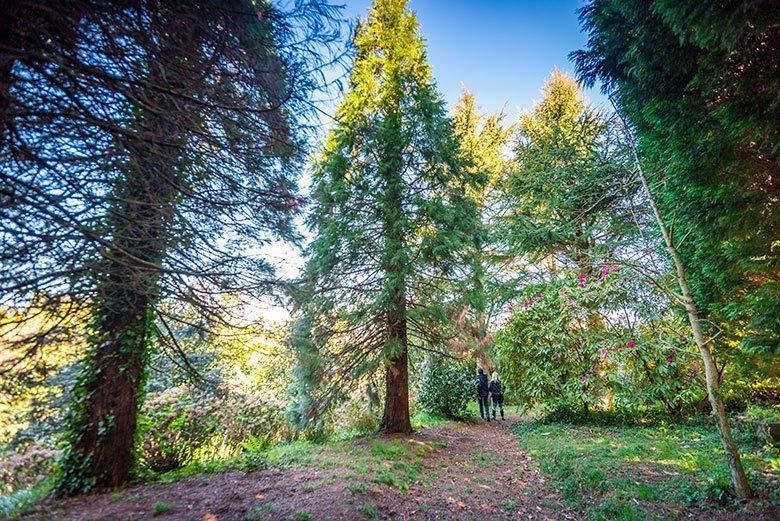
x: 446, y: 386
x: 174, y: 425
x: 562, y: 350
x: 25, y: 468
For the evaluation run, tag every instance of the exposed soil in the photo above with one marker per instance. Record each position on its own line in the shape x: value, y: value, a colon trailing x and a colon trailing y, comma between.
x: 477, y: 473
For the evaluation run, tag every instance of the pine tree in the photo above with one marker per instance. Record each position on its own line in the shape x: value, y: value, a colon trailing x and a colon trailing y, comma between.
x: 146, y: 149
x: 564, y: 187
x: 481, y: 143
x: 391, y: 215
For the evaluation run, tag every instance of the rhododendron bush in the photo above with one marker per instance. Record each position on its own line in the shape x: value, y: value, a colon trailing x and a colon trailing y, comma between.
x: 578, y: 342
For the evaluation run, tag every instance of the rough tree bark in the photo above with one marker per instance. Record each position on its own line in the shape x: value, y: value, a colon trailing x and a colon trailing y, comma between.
x: 108, y: 395
x: 738, y: 477
x: 396, y: 415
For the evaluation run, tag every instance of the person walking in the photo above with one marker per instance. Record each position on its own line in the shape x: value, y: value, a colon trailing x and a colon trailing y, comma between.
x: 482, y: 394
x: 496, y: 394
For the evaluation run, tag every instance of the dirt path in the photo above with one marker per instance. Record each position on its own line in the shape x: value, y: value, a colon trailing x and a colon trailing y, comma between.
x: 475, y: 472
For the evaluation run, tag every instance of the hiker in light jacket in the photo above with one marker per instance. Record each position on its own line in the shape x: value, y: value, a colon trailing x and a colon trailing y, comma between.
x: 482, y: 394
x: 496, y: 394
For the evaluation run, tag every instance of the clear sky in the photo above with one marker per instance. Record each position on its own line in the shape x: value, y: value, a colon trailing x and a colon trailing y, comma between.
x: 502, y: 50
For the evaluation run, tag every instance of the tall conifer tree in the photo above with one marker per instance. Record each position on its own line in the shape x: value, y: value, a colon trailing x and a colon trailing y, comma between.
x: 391, y: 215
x: 481, y: 141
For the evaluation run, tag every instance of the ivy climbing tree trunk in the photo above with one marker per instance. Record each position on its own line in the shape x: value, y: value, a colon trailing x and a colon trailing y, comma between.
x: 738, y: 478
x: 107, y: 396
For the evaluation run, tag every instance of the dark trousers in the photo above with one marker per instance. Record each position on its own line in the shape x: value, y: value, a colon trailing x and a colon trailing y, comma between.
x: 498, y: 401
x: 484, y: 407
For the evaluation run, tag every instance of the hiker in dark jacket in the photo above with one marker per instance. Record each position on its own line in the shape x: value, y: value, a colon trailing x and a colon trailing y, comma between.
x: 496, y: 394
x: 482, y: 395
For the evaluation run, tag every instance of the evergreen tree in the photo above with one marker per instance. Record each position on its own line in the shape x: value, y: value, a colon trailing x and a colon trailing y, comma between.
x: 391, y: 216
x: 566, y: 186
x: 146, y: 148
x: 699, y: 81
x: 481, y: 143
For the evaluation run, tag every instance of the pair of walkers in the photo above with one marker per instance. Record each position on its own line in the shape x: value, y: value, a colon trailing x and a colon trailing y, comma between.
x: 492, y: 389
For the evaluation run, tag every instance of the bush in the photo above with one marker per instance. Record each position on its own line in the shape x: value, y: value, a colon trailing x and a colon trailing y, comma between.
x: 174, y: 425
x: 181, y: 424
x: 446, y: 386
x: 25, y: 468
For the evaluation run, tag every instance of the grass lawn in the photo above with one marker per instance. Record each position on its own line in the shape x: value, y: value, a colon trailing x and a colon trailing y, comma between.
x: 633, y: 472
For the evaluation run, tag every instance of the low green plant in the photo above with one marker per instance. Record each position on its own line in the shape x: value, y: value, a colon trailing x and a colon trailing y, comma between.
x: 161, y: 507
x: 258, y: 512
x: 446, y: 386
x: 301, y: 515
x: 368, y: 511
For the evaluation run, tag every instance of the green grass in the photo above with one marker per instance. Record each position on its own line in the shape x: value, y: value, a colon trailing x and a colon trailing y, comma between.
x: 625, y: 472
x: 368, y: 511
x: 301, y: 515
x: 488, y: 459
x: 15, y: 504
x: 259, y: 511
x: 161, y: 507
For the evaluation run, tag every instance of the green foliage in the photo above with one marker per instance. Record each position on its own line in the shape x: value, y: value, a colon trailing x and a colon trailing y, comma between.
x: 699, y: 82
x: 161, y: 507
x: 553, y: 356
x: 391, y: 218
x: 177, y: 423
x: 368, y: 511
x: 301, y: 515
x: 567, y: 187
x: 622, y: 471
x: 446, y: 386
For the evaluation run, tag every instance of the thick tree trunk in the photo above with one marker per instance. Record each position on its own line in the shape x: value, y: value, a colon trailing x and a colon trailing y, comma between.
x: 108, y: 394
x: 105, y: 446
x: 396, y: 415
x: 738, y: 477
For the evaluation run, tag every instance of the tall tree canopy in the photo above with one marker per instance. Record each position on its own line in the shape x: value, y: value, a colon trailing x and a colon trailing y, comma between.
x: 700, y: 82
x: 481, y: 143
x: 391, y: 215
x: 568, y: 181
x: 146, y: 147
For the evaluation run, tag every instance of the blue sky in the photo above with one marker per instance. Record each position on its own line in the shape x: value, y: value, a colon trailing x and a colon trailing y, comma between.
x: 502, y: 50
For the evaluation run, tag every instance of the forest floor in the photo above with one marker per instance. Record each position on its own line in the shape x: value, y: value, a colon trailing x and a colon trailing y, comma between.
x: 449, y: 471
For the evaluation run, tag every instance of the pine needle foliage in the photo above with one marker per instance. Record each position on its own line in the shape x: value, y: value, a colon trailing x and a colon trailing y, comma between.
x: 391, y: 219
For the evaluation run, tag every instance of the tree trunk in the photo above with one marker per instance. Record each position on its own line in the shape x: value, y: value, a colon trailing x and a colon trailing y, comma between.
x: 738, y: 477
x: 107, y: 396
x: 396, y: 415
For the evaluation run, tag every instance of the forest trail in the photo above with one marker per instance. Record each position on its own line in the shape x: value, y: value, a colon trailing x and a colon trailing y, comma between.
x: 472, y: 471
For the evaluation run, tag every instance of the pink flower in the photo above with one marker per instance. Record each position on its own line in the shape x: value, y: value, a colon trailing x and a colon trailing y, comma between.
x: 570, y: 302
x: 527, y: 304
x: 650, y: 282
x: 581, y: 280
x: 584, y: 378
x: 615, y: 269
x: 563, y: 293
x: 604, y: 272
x: 603, y: 352
x: 631, y: 343
x: 538, y: 294
x: 670, y: 359
x: 683, y: 339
